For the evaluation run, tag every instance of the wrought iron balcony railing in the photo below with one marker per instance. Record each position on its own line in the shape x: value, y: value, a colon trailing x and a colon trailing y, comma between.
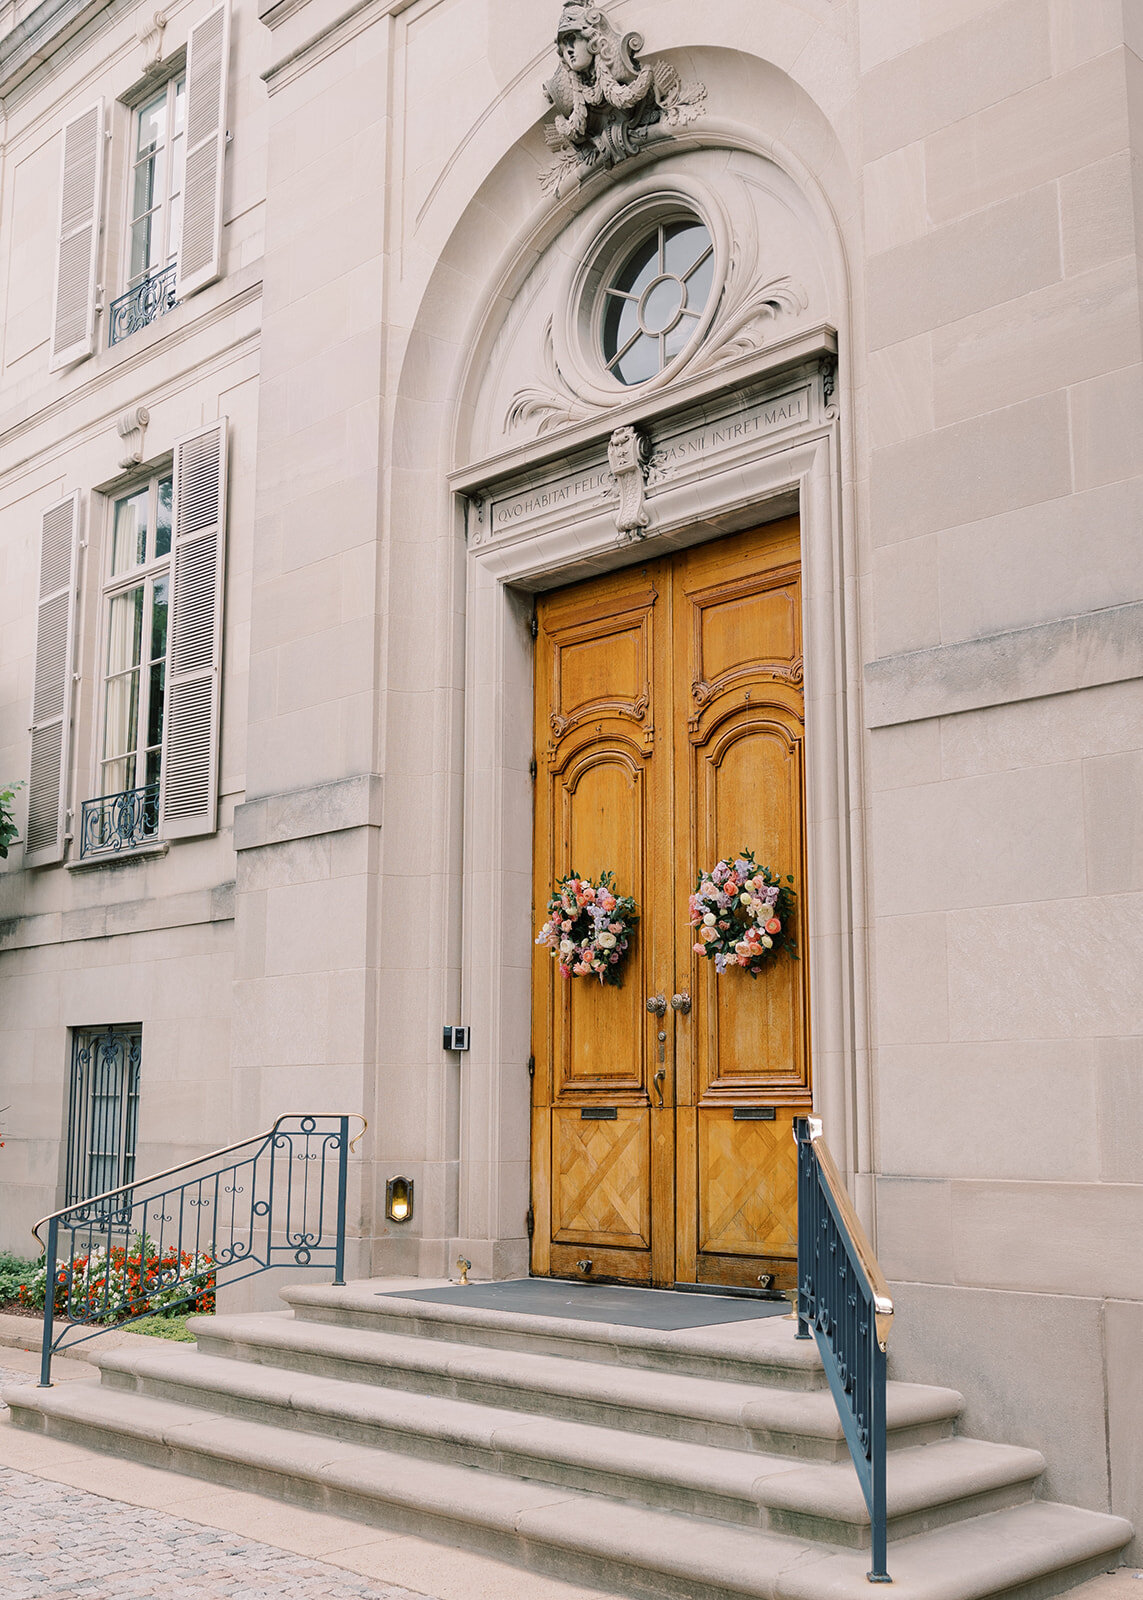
x: 141, y: 305
x: 168, y: 1242
x: 117, y: 822
x: 844, y: 1298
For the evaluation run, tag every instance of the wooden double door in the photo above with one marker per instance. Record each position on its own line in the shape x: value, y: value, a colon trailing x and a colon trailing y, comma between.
x: 669, y: 734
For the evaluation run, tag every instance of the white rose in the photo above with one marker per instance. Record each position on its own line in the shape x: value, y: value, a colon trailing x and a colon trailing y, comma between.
x: 607, y: 941
x: 566, y: 947
x: 767, y: 942
x: 710, y: 919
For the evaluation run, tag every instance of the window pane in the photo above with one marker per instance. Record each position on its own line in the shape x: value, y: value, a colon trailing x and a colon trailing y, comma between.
x: 686, y: 242
x: 143, y: 197
x: 118, y: 776
x: 141, y: 234
x: 180, y: 105
x: 163, y: 522
x: 620, y: 321
x: 124, y: 630
x: 121, y: 718
x: 642, y: 267
x: 176, y: 234
x: 159, y: 620
x: 641, y: 362
x: 155, y: 709
x: 152, y: 124
x: 129, y: 534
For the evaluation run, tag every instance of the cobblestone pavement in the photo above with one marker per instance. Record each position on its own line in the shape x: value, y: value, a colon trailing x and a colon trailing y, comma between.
x: 60, y: 1543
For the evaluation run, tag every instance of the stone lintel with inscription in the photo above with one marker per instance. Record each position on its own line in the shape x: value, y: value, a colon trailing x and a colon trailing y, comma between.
x: 678, y: 450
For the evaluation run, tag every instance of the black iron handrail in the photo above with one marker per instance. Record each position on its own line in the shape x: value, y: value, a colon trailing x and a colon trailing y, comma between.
x: 278, y: 1201
x: 139, y: 307
x: 114, y: 822
x: 844, y: 1299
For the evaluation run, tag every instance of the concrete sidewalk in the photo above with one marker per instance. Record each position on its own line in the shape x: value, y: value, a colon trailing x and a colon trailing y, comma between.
x: 159, y: 1526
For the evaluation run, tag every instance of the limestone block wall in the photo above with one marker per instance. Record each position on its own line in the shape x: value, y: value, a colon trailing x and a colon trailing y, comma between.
x: 1003, y: 694
x: 147, y: 940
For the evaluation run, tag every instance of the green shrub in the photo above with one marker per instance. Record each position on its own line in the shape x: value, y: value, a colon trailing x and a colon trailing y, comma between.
x: 8, y: 829
x: 14, y: 1271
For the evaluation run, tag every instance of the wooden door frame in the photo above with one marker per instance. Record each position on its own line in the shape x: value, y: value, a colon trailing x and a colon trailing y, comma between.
x: 799, y: 473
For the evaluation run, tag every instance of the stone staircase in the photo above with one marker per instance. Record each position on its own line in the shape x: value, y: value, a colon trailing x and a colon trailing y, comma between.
x: 700, y: 1464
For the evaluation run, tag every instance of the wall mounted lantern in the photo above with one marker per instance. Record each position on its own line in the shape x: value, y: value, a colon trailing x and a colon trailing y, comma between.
x: 399, y: 1199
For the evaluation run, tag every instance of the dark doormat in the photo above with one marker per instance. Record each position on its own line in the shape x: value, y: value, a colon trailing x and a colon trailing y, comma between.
x: 664, y: 1309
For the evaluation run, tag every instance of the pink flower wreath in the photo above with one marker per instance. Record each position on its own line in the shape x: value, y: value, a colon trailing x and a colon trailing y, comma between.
x: 589, y: 928
x: 742, y: 915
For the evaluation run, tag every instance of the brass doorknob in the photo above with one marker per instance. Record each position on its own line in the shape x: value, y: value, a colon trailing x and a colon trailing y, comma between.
x: 681, y: 1003
x: 657, y: 1005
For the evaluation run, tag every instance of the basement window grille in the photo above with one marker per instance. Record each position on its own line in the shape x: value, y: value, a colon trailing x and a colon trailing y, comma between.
x: 103, y: 1114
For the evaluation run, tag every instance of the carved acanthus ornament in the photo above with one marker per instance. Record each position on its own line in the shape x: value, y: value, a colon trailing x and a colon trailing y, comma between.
x: 608, y: 103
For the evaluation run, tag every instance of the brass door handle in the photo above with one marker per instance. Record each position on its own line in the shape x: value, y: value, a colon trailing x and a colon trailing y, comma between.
x: 660, y: 1080
x: 681, y: 1003
x: 657, y: 1005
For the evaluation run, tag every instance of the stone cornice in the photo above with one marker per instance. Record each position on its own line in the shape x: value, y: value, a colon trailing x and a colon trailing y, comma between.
x: 32, y: 42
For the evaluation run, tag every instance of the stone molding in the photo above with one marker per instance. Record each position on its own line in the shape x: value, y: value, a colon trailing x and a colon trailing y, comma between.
x: 1080, y: 652
x: 43, y: 31
x: 118, y: 918
x: 332, y: 807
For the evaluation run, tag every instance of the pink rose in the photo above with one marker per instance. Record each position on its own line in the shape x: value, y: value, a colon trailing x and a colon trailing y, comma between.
x: 699, y: 949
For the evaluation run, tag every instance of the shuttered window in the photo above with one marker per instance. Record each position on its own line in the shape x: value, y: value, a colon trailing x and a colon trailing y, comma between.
x: 77, y: 249
x: 189, y: 791
x: 208, y: 52
x: 52, y: 691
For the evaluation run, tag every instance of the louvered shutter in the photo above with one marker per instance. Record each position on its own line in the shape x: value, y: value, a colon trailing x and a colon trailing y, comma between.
x: 189, y: 790
x: 77, y: 250
x: 200, y: 249
x: 45, y: 835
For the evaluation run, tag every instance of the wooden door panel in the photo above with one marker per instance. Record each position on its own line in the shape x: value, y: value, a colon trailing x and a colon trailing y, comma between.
x: 604, y: 1185
x: 740, y: 786
x: 753, y: 1027
x: 748, y: 1201
x: 602, y: 798
x: 600, y: 807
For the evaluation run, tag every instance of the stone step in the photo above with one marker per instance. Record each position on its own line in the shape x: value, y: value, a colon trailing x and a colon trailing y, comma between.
x: 763, y: 1350
x: 927, y: 1485
x: 1032, y: 1550
x: 711, y: 1411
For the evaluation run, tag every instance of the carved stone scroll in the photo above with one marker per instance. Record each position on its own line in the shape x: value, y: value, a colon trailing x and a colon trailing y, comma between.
x: 131, y: 427
x: 627, y: 457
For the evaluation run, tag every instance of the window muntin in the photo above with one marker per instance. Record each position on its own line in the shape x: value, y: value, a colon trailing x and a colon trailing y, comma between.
x: 103, y: 1110
x: 159, y: 164
x: 655, y: 302
x: 136, y: 605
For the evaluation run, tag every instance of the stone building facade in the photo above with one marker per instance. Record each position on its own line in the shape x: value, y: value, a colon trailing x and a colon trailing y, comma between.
x: 315, y: 348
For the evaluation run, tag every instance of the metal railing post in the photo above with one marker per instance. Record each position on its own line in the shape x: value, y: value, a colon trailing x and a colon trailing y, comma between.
x: 342, y: 1192
x: 878, y: 1510
x: 805, y: 1226
x: 49, y: 1304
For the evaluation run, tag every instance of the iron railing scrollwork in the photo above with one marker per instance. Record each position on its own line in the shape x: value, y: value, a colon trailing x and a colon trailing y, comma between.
x: 115, y: 822
x: 276, y: 1200
x: 141, y: 305
x: 843, y: 1299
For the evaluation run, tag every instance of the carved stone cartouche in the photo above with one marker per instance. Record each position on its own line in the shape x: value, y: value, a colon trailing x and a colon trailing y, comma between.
x: 606, y: 101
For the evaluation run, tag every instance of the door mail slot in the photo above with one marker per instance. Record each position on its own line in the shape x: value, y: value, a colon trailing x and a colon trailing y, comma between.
x: 755, y: 1113
x: 599, y: 1114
